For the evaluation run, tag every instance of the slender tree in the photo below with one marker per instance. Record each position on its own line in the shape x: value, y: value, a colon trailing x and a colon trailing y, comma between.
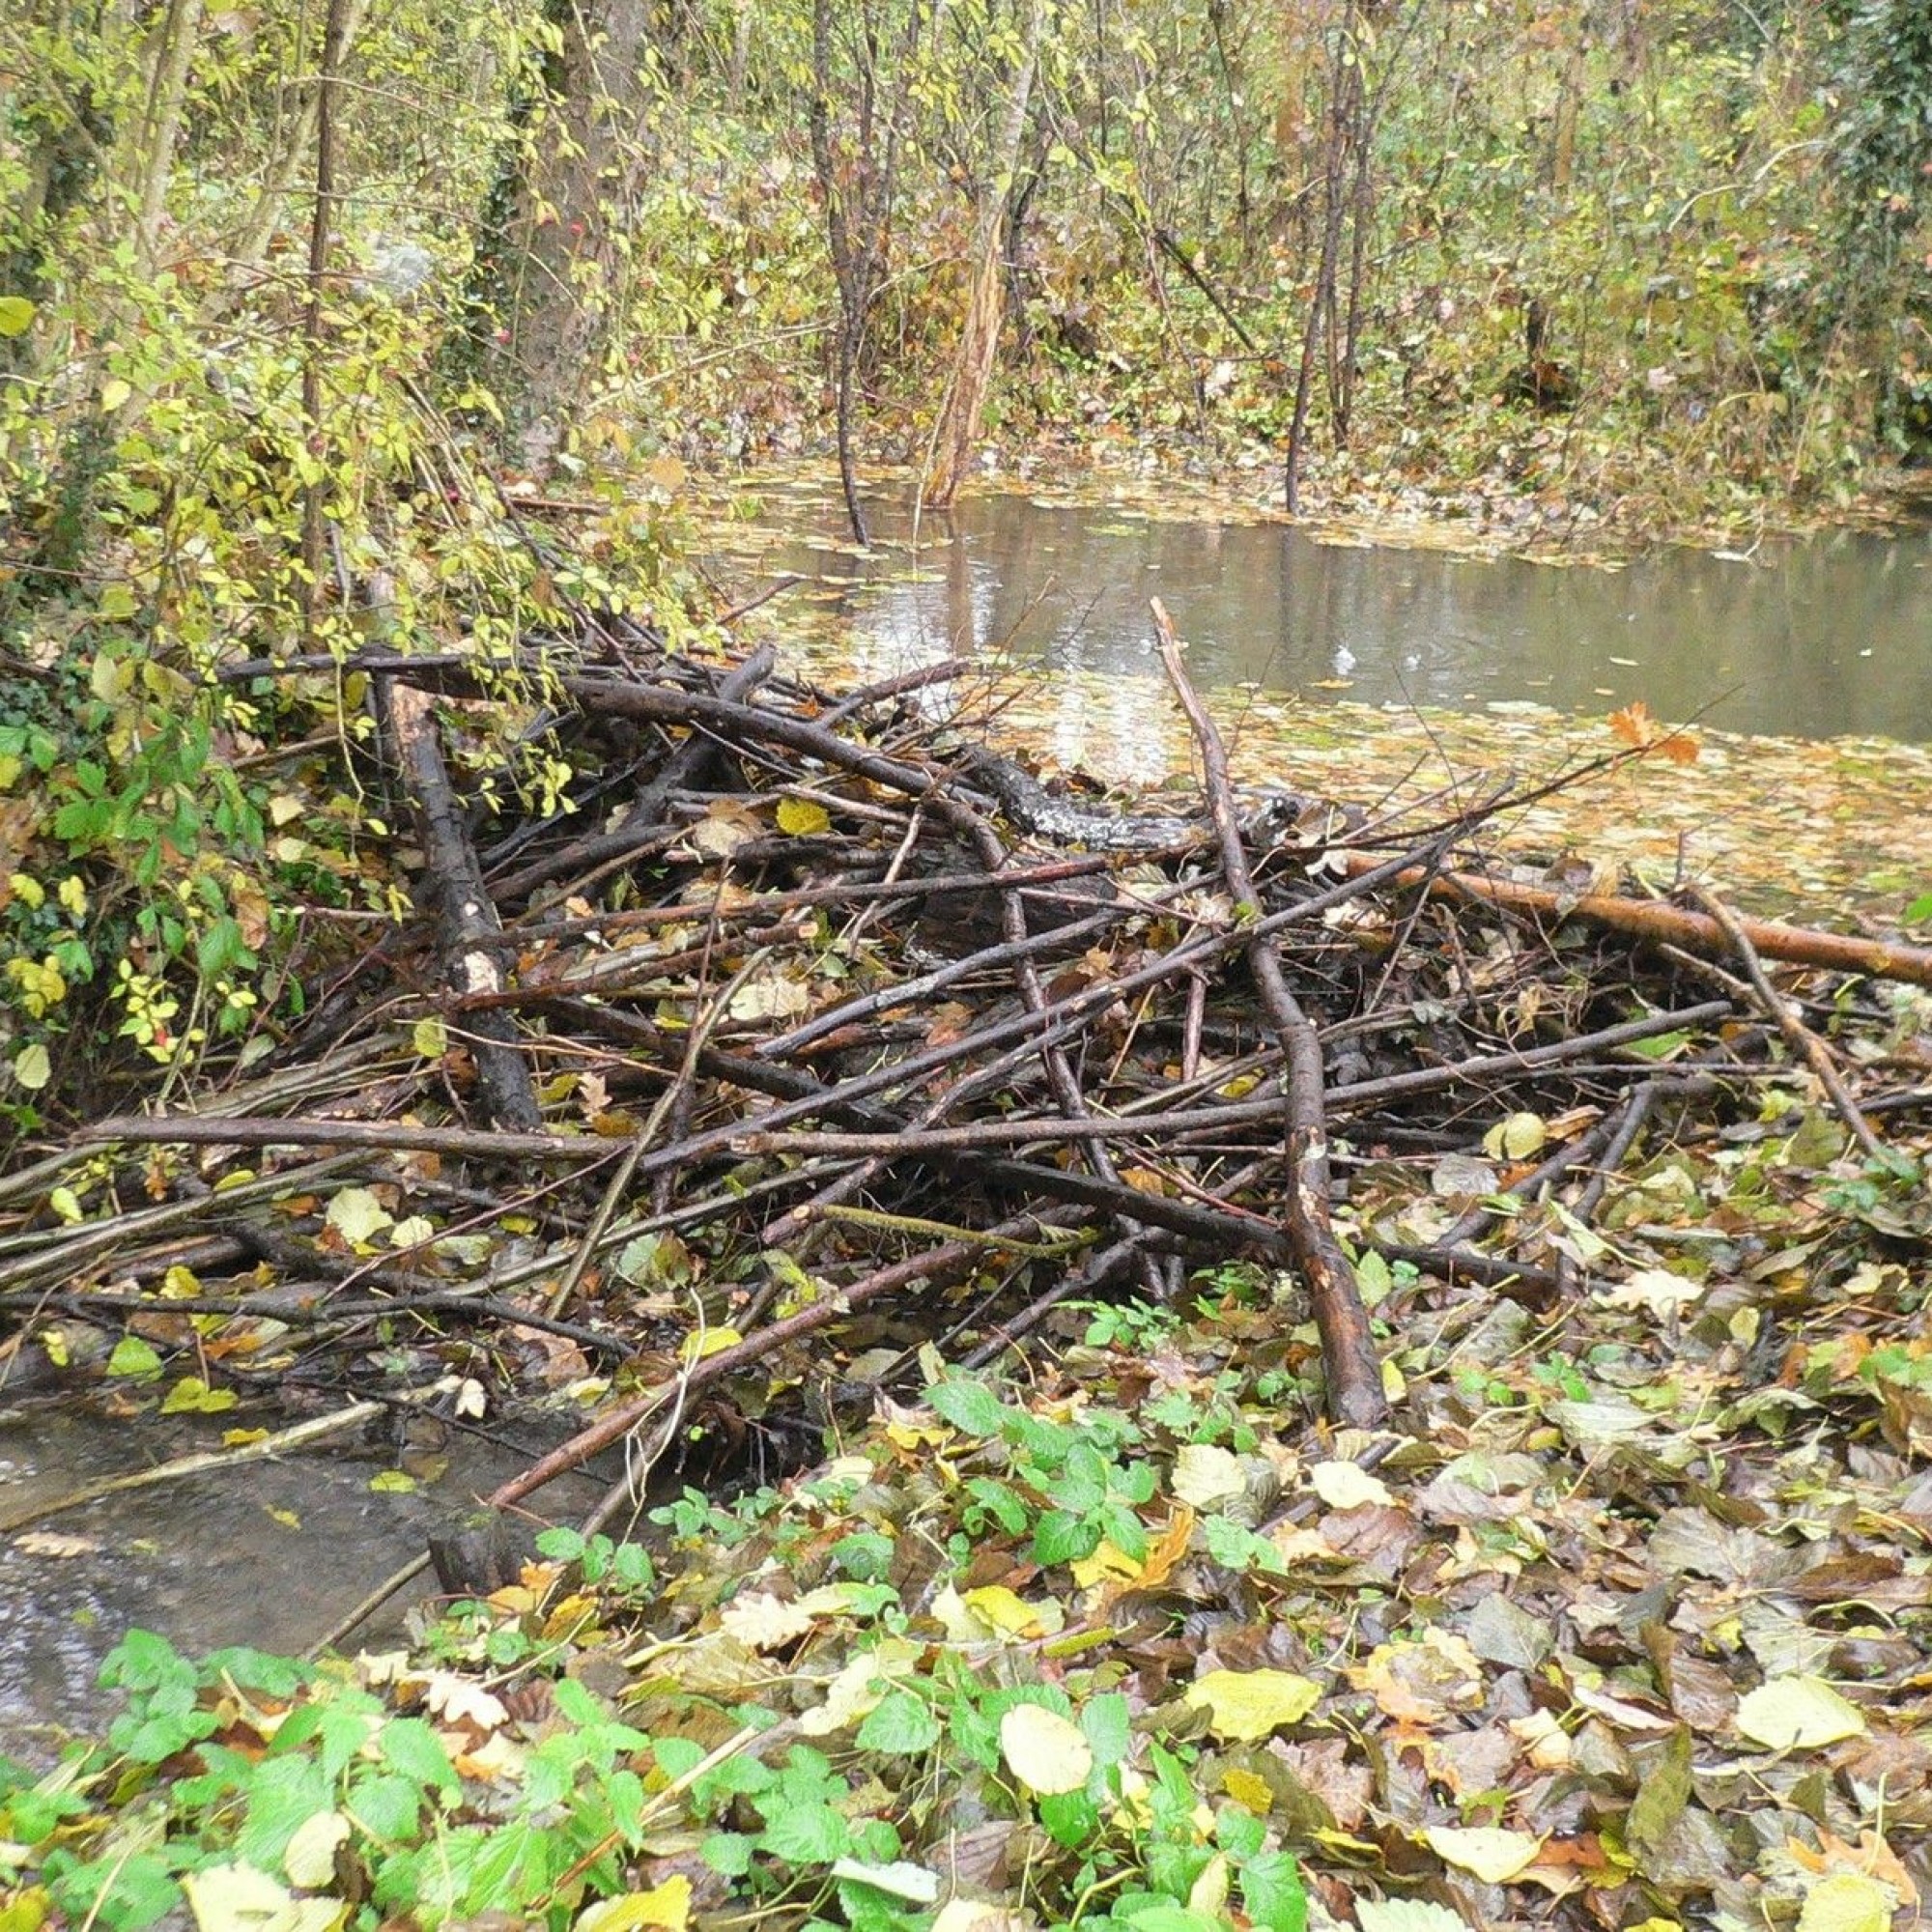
x: 958, y: 426
x: 858, y: 116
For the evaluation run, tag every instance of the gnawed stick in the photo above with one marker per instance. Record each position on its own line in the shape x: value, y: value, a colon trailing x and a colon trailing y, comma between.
x: 1672, y: 926
x: 1797, y: 1035
x: 766, y: 1135
x: 1347, y: 1347
x: 934, y: 1264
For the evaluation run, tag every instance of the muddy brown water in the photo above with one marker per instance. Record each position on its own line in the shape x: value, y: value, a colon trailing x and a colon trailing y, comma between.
x: 1824, y: 638
x: 269, y: 1554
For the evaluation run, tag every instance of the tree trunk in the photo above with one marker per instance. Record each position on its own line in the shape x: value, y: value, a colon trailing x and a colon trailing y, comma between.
x: 1345, y: 76
x: 315, y: 331
x: 172, y: 63
x: 271, y: 199
x: 857, y: 184
x: 576, y: 174
x: 958, y: 426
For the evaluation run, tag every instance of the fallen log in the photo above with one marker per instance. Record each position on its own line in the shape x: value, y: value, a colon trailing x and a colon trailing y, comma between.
x: 450, y: 891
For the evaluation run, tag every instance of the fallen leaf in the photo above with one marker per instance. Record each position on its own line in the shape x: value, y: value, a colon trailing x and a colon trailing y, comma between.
x: 668, y: 1905
x: 1847, y: 1901
x: 1345, y: 1486
x: 1046, y: 1752
x: 1495, y: 1856
x: 1798, y: 1713
x: 237, y: 1898
x: 1407, y: 1915
x: 1246, y: 1705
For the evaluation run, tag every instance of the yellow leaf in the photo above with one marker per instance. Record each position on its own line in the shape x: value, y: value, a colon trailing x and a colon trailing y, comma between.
x: 1494, y: 1855
x: 801, y: 817
x: 1208, y: 1894
x: 1343, y: 1486
x: 358, y: 1216
x: 668, y: 1905
x: 915, y: 1435
x: 1251, y: 1793
x: 1208, y: 1476
x: 309, y: 1857
x: 1108, y: 1560
x: 1798, y: 1713
x: 1046, y: 1752
x: 1516, y: 1138
x: 225, y: 1897
x: 1245, y: 1705
x: 430, y: 1039
x: 702, y: 1342
x: 1847, y: 1901
x: 1004, y: 1611
x: 191, y: 1396
x: 113, y: 393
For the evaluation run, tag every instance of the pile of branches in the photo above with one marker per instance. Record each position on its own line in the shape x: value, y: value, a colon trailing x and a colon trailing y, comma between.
x: 883, y: 1042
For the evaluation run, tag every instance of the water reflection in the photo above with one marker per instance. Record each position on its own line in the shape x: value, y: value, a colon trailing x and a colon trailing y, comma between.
x: 1823, y: 639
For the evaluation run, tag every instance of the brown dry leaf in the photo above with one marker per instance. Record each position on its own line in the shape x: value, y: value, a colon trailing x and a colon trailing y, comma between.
x: 1421, y: 1682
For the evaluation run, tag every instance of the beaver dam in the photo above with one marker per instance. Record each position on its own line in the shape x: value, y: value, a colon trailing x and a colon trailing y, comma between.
x: 838, y: 1031
x: 825, y: 1055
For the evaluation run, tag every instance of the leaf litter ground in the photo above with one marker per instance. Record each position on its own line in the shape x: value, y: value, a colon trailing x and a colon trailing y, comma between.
x: 901, y: 1186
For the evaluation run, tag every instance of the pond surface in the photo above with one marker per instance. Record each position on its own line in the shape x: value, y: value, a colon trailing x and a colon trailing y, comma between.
x: 1819, y: 638
x: 269, y: 1554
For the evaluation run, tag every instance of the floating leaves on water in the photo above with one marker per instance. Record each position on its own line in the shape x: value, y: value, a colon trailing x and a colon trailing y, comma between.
x: 52, y: 1543
x: 1641, y: 731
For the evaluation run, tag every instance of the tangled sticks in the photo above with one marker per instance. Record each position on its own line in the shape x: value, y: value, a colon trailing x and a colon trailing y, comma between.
x: 894, y: 1042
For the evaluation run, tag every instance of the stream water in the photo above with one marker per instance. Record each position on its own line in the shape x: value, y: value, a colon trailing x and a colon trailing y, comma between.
x: 1820, y: 639
x: 269, y: 1554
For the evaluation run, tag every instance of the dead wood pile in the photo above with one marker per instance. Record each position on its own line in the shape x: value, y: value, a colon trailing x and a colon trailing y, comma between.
x: 801, y: 1045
